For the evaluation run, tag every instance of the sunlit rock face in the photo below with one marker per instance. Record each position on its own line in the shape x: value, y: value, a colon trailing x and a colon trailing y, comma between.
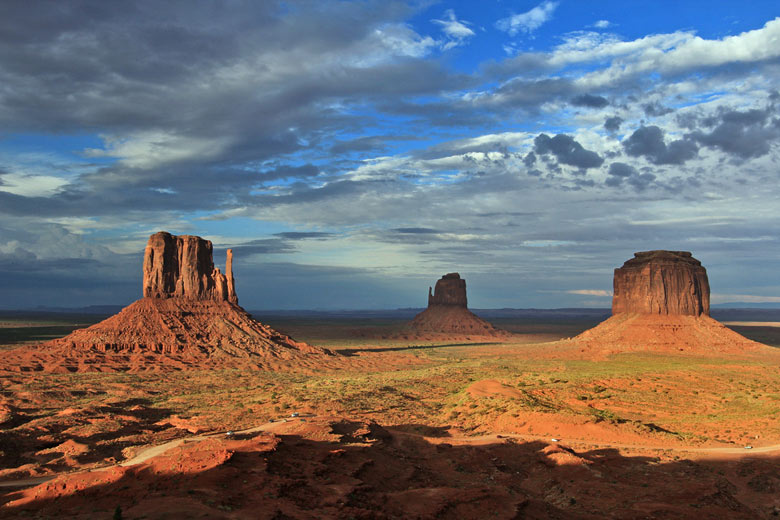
x: 661, y: 282
x: 183, y: 267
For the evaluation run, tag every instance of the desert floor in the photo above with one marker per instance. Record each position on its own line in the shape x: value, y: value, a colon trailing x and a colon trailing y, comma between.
x: 402, y: 429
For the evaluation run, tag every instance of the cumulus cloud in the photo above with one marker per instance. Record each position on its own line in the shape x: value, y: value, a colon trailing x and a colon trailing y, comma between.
x: 744, y: 134
x: 648, y: 142
x: 528, y: 21
x: 620, y: 173
x: 567, y: 150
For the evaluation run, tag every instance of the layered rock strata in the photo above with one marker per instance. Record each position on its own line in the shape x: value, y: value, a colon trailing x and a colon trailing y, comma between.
x: 661, y: 282
x: 447, y: 312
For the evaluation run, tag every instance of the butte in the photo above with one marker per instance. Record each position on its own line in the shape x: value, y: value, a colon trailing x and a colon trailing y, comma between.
x: 188, y: 318
x: 447, y: 312
x: 661, y: 302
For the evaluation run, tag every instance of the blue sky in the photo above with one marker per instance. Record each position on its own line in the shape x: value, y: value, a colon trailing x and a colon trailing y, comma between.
x: 353, y: 152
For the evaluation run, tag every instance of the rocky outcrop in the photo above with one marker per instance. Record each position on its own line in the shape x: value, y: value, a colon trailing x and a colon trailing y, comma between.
x: 661, y: 282
x: 447, y: 313
x: 183, y: 267
x: 450, y: 290
x: 189, y: 318
x: 661, y: 303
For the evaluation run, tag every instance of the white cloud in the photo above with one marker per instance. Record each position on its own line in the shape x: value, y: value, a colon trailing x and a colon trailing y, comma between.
x: 529, y: 21
x: 591, y: 292
x: 151, y: 149
x: 393, y: 40
x: 665, y: 53
x: 454, y: 28
x: 602, y: 24
x: 31, y: 185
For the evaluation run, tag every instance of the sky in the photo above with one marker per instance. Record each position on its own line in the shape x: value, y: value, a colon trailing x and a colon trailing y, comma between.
x: 352, y: 152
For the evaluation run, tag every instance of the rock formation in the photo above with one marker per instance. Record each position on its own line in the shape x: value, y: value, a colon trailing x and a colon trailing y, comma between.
x: 661, y: 302
x: 447, y: 312
x: 182, y: 266
x: 189, y: 317
x: 661, y: 282
x: 450, y: 290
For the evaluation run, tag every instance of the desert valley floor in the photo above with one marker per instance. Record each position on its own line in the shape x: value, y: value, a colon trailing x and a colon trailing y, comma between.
x: 524, y: 427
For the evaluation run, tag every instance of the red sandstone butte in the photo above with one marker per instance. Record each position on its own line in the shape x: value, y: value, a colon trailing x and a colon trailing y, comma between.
x: 447, y: 312
x: 189, y: 317
x: 182, y: 266
x: 661, y: 302
x: 450, y: 290
x: 661, y: 282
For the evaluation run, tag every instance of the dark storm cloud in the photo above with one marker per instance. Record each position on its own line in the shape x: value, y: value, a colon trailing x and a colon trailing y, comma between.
x: 612, y: 124
x: 567, y: 150
x: 744, y: 134
x: 590, y: 101
x: 648, y: 142
x: 530, y: 159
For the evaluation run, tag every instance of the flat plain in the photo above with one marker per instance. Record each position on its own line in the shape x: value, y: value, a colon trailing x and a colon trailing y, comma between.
x: 456, y: 424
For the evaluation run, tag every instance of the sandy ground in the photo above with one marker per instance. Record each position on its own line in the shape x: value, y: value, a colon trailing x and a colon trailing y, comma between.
x: 397, y: 430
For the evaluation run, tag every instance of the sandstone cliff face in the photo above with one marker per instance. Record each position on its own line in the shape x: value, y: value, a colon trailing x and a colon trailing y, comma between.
x: 183, y: 267
x: 450, y: 290
x: 661, y: 282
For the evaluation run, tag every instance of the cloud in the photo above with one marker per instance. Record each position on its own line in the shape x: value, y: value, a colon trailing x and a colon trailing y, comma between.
x: 304, y: 235
x: 457, y: 31
x: 31, y: 185
x: 744, y: 298
x: 655, y: 109
x: 590, y: 101
x: 528, y: 21
x: 416, y: 231
x: 744, y: 134
x: 567, y: 150
x: 612, y: 124
x: 621, y: 172
x: 648, y: 142
x: 591, y: 292
x: 602, y: 24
